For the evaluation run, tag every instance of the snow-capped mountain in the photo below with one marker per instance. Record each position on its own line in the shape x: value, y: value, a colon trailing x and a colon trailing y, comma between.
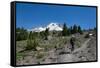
x: 51, y: 26
x: 39, y: 29
x: 54, y: 26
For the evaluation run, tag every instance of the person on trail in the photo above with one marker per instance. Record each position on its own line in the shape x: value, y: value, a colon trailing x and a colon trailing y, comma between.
x: 72, y: 42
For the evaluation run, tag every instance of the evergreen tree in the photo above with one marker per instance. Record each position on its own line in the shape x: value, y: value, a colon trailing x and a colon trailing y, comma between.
x: 42, y: 34
x: 46, y: 33
x: 75, y: 29
x: 69, y: 31
x: 79, y: 30
x: 64, y: 31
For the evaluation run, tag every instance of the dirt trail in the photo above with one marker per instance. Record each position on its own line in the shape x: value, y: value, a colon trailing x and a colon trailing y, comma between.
x: 71, y: 57
x: 83, y: 46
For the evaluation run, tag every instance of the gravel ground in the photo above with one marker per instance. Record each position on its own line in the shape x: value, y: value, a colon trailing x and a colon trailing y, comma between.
x: 87, y: 52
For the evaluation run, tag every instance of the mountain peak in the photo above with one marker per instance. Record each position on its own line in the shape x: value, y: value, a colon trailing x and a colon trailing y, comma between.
x: 52, y: 26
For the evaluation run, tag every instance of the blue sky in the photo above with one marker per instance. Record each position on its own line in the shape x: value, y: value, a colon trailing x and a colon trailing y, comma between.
x: 36, y: 15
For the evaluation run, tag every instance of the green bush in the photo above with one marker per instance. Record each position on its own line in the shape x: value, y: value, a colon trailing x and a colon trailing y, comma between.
x: 31, y: 44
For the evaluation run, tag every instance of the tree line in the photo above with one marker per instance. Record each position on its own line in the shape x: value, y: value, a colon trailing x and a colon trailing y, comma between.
x: 72, y: 30
x: 23, y: 34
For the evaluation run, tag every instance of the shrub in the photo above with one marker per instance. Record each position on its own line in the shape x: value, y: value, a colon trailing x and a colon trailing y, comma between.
x: 86, y: 36
x: 19, y: 56
x: 31, y: 44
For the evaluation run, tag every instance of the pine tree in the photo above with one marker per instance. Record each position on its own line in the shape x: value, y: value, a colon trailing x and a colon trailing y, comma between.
x: 69, y: 31
x: 42, y: 34
x: 75, y: 29
x: 79, y: 30
x: 46, y: 33
x: 64, y: 32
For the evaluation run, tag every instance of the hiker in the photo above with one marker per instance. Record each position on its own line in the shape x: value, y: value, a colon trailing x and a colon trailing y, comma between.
x: 72, y: 42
